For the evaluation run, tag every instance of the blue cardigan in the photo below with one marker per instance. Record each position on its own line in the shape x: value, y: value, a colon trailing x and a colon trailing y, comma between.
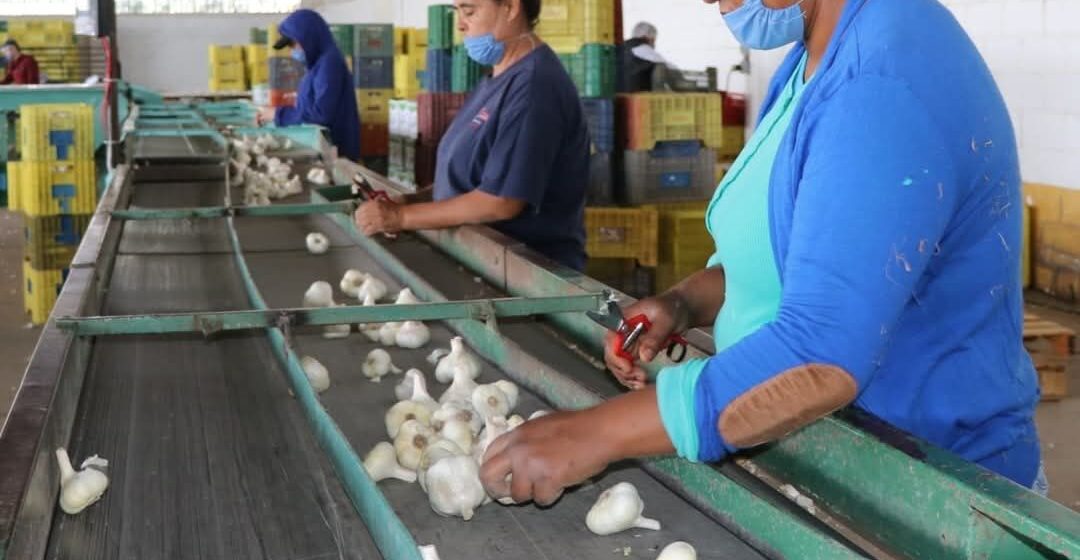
x: 895, y: 213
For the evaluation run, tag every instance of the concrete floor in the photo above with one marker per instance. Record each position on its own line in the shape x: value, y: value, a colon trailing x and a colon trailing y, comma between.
x: 1057, y: 420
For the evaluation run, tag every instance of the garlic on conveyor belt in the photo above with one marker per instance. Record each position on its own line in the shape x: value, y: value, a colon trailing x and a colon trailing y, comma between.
x: 428, y: 552
x: 381, y: 463
x: 437, y: 450
x: 371, y: 330
x: 319, y: 176
x: 388, y: 333
x: 319, y: 294
x: 617, y: 509
x: 436, y: 355
x: 317, y: 243
x: 337, y: 331
x: 78, y: 490
x: 457, y: 410
x: 378, y: 365
x: 351, y: 282
x: 412, y: 439
x: 419, y: 406
x: 454, y: 488
x: 403, y: 390
x: 494, y: 426
x: 460, y: 390
x: 406, y: 297
x: 371, y: 285
x: 459, y: 432
x: 459, y: 357
x: 678, y: 550
x: 412, y: 335
x: 316, y: 373
x: 510, y: 390
x: 491, y: 400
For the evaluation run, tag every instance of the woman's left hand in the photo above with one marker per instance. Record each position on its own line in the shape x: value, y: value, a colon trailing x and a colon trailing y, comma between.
x: 265, y: 115
x: 544, y: 456
x: 379, y: 216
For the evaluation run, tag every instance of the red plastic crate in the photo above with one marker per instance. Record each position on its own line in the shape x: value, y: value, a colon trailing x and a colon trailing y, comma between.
x: 374, y: 140
x: 424, y: 163
x: 435, y: 112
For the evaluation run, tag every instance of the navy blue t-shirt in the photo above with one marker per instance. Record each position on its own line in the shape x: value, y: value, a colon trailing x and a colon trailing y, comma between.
x: 522, y: 135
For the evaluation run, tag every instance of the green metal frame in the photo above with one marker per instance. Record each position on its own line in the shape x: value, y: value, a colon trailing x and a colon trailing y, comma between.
x: 214, y: 322
x: 344, y: 207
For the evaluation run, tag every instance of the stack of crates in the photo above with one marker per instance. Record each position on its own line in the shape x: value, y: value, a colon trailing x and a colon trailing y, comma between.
x: 55, y: 186
x: 227, y: 70
x: 410, y: 61
x: 684, y: 242
x: 404, y: 133
x: 256, y: 64
x: 449, y: 67
x: 52, y: 43
x: 344, y: 35
x: 669, y: 145
x: 624, y: 239
x: 285, y: 72
x: 373, y: 71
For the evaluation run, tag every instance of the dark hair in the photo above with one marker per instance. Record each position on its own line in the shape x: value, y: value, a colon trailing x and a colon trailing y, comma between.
x: 532, y: 11
x: 12, y: 43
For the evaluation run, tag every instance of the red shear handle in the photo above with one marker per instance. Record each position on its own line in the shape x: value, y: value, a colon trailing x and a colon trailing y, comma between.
x: 626, y: 338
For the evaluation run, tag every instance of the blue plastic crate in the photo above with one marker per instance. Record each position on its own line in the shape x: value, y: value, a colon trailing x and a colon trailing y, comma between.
x: 374, y: 72
x: 600, y: 114
x: 438, y: 78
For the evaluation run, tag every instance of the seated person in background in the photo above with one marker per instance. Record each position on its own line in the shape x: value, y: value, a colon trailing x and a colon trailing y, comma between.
x: 22, y: 69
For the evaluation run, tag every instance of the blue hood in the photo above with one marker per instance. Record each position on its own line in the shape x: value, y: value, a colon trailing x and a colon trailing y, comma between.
x: 309, y: 29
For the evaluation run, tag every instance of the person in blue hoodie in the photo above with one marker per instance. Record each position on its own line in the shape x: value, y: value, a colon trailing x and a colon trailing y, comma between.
x: 325, y: 96
x: 867, y: 254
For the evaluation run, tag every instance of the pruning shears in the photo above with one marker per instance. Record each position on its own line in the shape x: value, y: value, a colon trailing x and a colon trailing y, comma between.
x: 362, y: 189
x: 629, y: 330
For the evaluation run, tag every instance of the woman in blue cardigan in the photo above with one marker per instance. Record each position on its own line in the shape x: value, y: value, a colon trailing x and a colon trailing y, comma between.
x: 867, y: 254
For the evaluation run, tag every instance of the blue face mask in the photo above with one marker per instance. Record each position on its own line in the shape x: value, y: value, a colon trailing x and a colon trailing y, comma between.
x: 759, y: 27
x: 485, y: 50
x: 298, y: 55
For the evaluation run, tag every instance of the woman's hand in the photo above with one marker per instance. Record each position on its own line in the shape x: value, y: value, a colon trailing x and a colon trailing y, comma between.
x: 669, y: 315
x: 379, y: 216
x: 265, y: 115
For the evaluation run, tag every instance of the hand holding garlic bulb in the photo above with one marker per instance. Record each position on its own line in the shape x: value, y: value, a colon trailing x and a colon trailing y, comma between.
x: 381, y: 463
x: 678, y: 550
x: 317, y: 243
x: 79, y: 490
x: 617, y: 509
x: 459, y: 357
x: 378, y: 364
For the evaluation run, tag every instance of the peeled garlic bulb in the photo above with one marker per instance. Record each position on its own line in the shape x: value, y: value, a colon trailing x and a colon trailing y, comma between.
x: 319, y: 294
x: 514, y: 421
x: 678, y: 550
x: 411, y: 441
x: 351, y: 282
x: 461, y: 390
x: 316, y: 373
x: 511, y: 391
x: 457, y: 410
x: 436, y: 355
x: 406, y: 297
x: 618, y: 509
x: 79, y: 490
x: 378, y: 364
x: 381, y: 464
x: 459, y: 357
x: 373, y: 286
x: 453, y: 487
x: 420, y: 406
x: 412, y: 335
x: 459, y: 432
x: 489, y: 400
x: 388, y: 333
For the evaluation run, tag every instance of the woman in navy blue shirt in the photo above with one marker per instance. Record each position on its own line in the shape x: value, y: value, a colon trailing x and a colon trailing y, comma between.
x: 517, y: 154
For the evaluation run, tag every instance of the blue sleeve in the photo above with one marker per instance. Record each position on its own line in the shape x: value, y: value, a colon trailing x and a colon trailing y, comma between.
x: 526, y: 145
x: 317, y: 105
x: 878, y: 188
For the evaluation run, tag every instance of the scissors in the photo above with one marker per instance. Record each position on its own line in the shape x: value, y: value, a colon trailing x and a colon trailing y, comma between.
x: 361, y: 188
x: 628, y: 331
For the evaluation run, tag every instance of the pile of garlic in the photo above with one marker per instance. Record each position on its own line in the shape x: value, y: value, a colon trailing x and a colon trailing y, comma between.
x: 442, y: 441
x: 264, y: 178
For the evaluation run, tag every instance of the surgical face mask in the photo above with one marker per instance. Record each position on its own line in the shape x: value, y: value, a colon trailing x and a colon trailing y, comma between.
x: 298, y: 55
x: 485, y: 50
x: 759, y: 27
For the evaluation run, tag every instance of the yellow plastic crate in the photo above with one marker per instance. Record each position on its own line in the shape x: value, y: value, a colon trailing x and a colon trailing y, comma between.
x: 228, y: 71
x: 256, y: 53
x: 406, y: 75
x: 629, y: 233
x: 374, y: 105
x: 567, y: 25
x: 59, y: 132
x: 410, y: 40
x: 51, y: 241
x: 1025, y: 248
x: 40, y: 290
x: 734, y: 138
x: 225, y: 54
x: 228, y: 85
x: 258, y: 74
x: 17, y: 26
x: 52, y: 188
x: 39, y: 39
x: 655, y: 117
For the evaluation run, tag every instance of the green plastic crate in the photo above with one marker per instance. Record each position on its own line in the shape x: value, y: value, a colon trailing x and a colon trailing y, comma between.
x: 592, y: 69
x: 373, y: 40
x: 465, y: 73
x: 441, y: 26
x: 343, y: 37
x: 257, y: 36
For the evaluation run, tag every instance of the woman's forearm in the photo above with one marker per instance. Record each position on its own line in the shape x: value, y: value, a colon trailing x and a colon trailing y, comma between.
x: 473, y: 208
x: 424, y: 194
x: 702, y: 294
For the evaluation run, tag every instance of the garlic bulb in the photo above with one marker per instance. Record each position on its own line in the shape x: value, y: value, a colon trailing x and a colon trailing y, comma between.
x: 370, y: 330
x: 457, y: 410
x: 373, y: 286
x: 320, y: 294
x: 411, y: 441
x: 459, y: 357
x: 511, y: 391
x: 436, y: 451
x: 404, y: 390
x: 539, y: 414
x: 406, y: 297
x: 388, y: 333
x: 493, y: 428
x: 436, y: 355
x: 420, y: 406
x: 489, y: 400
x: 381, y: 464
x: 618, y: 509
x: 79, y: 490
x: 412, y: 335
x: 351, y: 282
x: 461, y: 390
x: 514, y: 421
x: 337, y: 331
x: 678, y: 550
x: 459, y: 432
x: 317, y: 243
x: 319, y: 176
x: 453, y: 487
x: 378, y: 365
x: 428, y: 552
x: 316, y: 373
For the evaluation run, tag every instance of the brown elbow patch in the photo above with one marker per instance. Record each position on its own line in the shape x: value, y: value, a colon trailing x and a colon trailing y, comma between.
x: 785, y: 403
